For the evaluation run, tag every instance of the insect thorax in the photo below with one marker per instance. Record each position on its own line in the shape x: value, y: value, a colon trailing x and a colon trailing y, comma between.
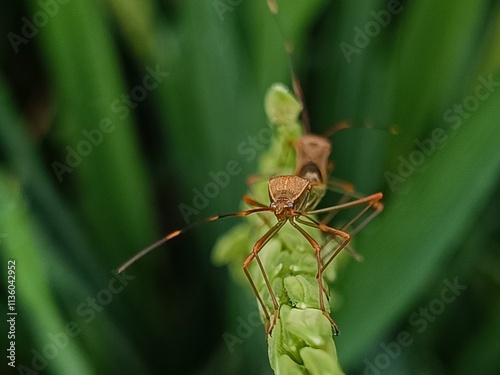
x: 312, y: 157
x: 289, y: 192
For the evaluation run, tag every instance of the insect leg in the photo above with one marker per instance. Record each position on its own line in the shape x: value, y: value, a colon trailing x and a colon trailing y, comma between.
x: 254, y: 255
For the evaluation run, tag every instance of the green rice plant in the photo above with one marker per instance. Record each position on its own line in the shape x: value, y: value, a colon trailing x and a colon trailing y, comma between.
x: 419, y: 69
x: 301, y: 342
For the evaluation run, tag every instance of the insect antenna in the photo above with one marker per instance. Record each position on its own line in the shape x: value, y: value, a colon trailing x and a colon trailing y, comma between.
x: 342, y: 125
x: 178, y: 232
x: 289, y: 48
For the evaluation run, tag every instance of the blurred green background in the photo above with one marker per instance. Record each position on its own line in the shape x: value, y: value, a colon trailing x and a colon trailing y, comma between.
x: 175, y: 90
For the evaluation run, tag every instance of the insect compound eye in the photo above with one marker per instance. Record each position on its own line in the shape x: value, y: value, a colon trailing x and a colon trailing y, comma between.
x: 273, y: 204
x: 290, y: 205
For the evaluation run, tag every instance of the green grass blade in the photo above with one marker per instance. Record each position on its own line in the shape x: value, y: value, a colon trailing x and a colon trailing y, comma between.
x: 89, y: 86
x: 403, y: 256
x: 36, y: 306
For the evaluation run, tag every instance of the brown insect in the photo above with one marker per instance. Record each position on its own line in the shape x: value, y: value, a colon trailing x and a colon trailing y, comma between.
x: 313, y: 163
x: 292, y: 199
